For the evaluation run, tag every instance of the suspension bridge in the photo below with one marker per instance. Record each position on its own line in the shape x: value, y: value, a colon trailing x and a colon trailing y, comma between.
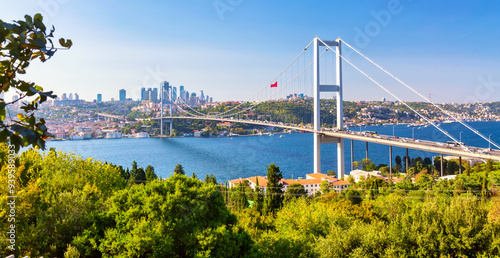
x: 315, y: 74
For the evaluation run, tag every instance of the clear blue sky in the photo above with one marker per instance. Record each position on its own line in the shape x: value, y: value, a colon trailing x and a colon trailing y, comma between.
x: 438, y: 47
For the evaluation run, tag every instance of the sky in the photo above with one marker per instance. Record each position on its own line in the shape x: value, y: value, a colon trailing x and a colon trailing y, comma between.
x: 232, y: 48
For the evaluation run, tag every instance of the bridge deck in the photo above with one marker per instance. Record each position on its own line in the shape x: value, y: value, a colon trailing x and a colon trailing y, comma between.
x: 429, y: 146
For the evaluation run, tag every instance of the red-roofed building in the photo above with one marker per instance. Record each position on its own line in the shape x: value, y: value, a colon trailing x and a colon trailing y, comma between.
x: 312, y: 182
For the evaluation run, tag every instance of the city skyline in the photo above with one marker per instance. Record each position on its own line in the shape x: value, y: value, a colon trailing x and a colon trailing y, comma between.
x: 235, y: 48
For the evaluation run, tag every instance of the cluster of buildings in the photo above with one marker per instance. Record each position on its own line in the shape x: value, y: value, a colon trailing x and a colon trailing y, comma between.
x: 169, y: 93
x: 311, y: 184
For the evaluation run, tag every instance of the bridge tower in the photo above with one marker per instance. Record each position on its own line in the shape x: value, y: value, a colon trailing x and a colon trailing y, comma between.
x: 320, y: 138
x: 165, y: 87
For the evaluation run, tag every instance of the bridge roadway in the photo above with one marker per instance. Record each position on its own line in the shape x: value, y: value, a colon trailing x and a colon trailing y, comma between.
x: 415, y: 144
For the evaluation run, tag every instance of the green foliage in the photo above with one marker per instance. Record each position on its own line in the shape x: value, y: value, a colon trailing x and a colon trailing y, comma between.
x: 150, y: 173
x: 60, y: 201
x: 258, y: 203
x: 137, y: 174
x: 239, y: 197
x: 179, y: 170
x: 22, y: 42
x: 326, y: 186
x: 210, y: 179
x: 274, y: 193
x: 295, y: 191
x: 177, y: 217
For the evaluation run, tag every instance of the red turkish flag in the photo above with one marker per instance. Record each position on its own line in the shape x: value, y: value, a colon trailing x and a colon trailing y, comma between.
x: 274, y: 85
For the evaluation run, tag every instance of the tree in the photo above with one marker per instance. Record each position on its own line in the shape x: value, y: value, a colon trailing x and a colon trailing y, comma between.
x: 398, y: 160
x: 179, y: 170
x: 258, y: 202
x: 331, y: 173
x: 210, y: 179
x: 295, y: 191
x: 427, y: 161
x: 367, y: 165
x: 22, y: 42
x: 192, y: 221
x: 325, y: 186
x: 239, y: 197
x: 150, y: 173
x: 138, y: 176
x: 273, y: 192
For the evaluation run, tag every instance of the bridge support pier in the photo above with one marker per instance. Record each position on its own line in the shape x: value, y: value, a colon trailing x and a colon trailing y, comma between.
x: 407, y: 162
x: 390, y: 163
x: 366, y: 150
x: 352, y: 155
x: 442, y: 164
x: 460, y: 165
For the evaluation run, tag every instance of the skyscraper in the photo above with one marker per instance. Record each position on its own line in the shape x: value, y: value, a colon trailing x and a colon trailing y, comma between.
x: 154, y: 95
x: 202, y: 97
x: 123, y: 95
x: 143, y: 94
x: 64, y: 97
x: 77, y: 97
x: 165, y: 87
x: 70, y: 97
x: 174, y: 94
x: 182, y: 93
x: 192, y: 100
x: 99, y: 98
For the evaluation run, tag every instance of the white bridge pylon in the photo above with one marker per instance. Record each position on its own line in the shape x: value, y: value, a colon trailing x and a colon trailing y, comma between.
x: 319, y: 138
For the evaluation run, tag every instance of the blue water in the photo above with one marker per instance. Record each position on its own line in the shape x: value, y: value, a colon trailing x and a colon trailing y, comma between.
x: 240, y: 157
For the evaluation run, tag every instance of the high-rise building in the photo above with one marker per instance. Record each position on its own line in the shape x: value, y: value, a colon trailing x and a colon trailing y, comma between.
x: 64, y: 97
x: 202, y: 97
x: 143, y: 94
x: 123, y: 95
x: 99, y: 98
x: 70, y: 97
x: 186, y: 96
x: 165, y: 87
x: 174, y: 94
x: 208, y: 99
x: 211, y: 99
x: 77, y: 97
x: 192, y: 100
x: 154, y: 95
x: 182, y: 93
